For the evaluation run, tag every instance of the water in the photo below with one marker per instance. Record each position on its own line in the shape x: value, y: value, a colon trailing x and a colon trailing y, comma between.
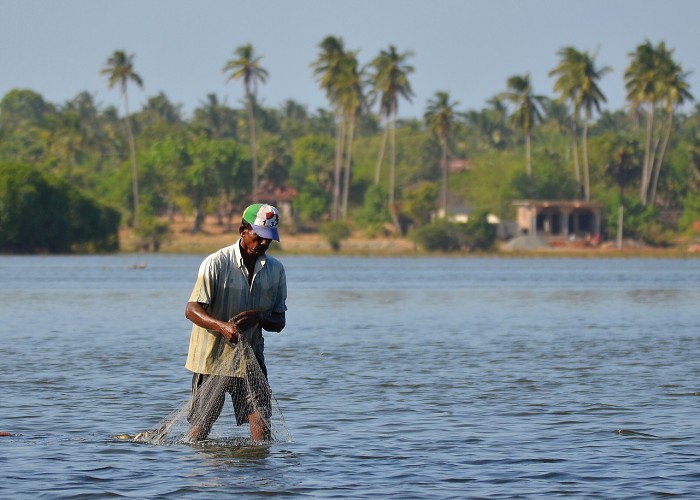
x: 404, y: 378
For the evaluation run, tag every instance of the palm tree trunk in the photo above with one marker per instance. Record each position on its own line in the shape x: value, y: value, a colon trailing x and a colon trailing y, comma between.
x: 620, y: 224
x: 646, y: 168
x: 577, y: 167
x: 660, y: 159
x: 392, y: 172
x: 586, y: 174
x: 253, y: 146
x: 528, y: 156
x: 198, y: 215
x: 382, y: 148
x: 340, y: 134
x: 132, y: 158
x: 348, y: 163
x: 443, y: 190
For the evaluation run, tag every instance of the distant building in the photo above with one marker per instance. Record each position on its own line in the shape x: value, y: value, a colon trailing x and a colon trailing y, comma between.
x: 559, y: 218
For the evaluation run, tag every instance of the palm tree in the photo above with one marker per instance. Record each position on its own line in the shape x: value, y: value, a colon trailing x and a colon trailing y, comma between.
x: 675, y: 92
x: 642, y: 83
x: 328, y: 70
x: 390, y: 81
x: 527, y: 113
x: 246, y: 66
x: 350, y: 99
x: 577, y: 83
x: 440, y: 116
x: 120, y: 70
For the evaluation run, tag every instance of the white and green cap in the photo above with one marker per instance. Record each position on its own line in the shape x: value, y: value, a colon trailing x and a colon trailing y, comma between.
x: 264, y: 219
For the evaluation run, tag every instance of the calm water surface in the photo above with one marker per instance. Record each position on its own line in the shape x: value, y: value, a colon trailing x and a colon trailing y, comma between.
x: 404, y: 378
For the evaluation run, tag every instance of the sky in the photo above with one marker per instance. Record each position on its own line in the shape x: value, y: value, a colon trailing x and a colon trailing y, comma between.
x: 468, y: 48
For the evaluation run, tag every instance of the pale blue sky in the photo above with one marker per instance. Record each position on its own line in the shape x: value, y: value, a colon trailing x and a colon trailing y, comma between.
x: 466, y: 47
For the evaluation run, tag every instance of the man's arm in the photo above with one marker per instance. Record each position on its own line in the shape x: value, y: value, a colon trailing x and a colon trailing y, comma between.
x: 196, y: 313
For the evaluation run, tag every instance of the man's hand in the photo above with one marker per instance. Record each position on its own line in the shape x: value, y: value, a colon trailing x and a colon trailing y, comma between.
x: 198, y: 315
x: 231, y: 332
x: 246, y: 319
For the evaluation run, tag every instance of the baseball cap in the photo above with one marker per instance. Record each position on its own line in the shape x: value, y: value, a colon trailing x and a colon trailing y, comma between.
x: 264, y: 219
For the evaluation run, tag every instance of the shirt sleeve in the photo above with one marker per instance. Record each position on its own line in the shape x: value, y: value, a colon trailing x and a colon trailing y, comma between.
x: 280, y: 305
x: 204, y: 289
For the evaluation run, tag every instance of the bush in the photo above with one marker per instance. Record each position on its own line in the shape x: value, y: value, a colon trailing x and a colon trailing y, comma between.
x: 438, y: 236
x: 153, y: 232
x: 444, y: 236
x: 690, y: 220
x: 39, y: 213
x: 335, y: 233
x: 374, y: 213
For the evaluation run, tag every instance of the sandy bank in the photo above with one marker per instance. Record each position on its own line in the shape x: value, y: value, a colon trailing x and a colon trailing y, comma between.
x: 215, y: 236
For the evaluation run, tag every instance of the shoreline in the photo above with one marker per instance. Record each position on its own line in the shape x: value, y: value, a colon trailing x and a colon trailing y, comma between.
x: 213, y: 237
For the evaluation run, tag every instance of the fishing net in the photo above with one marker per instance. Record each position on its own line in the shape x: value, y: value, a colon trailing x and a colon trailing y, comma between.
x: 208, y: 416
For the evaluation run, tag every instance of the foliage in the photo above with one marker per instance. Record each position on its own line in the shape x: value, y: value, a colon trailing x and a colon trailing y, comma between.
x: 335, y: 232
x: 153, y: 232
x: 439, y: 236
x: 550, y: 183
x: 641, y: 223
x: 690, y: 220
x: 446, y: 236
x: 418, y: 203
x: 375, y: 212
x: 204, y: 163
x: 39, y: 213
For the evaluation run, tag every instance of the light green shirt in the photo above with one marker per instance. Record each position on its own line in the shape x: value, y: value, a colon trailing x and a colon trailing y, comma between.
x: 222, y: 288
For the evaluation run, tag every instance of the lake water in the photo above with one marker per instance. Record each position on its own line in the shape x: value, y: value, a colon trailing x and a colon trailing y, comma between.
x: 404, y: 378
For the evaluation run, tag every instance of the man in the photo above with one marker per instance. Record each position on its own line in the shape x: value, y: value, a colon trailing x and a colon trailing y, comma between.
x: 239, y: 292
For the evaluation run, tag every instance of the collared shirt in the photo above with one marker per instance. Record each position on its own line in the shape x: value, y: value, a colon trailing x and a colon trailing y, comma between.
x: 222, y: 288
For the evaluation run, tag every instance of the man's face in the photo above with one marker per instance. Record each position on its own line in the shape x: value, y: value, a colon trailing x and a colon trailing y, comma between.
x: 252, y: 244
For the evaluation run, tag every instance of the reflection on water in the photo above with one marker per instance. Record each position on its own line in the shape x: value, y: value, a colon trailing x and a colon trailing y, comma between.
x: 655, y: 297
x: 408, y: 378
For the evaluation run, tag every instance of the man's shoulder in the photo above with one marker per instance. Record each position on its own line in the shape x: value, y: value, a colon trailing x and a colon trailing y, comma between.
x: 222, y: 256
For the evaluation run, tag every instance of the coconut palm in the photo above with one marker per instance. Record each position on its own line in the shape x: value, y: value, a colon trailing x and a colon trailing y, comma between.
x: 120, y: 70
x: 389, y: 79
x: 577, y: 83
x: 674, y: 89
x: 642, y: 78
x: 350, y: 99
x: 328, y: 70
x: 246, y: 66
x: 440, y: 116
x: 528, y: 111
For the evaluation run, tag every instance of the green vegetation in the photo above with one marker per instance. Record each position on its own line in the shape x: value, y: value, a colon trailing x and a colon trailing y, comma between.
x: 642, y: 162
x: 40, y: 214
x: 335, y: 233
x: 477, y: 235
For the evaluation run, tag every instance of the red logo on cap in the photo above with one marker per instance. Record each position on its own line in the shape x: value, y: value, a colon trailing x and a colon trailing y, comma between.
x: 269, y: 215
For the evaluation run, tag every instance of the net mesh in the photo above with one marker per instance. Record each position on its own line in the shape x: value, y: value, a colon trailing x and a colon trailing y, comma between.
x: 206, y: 418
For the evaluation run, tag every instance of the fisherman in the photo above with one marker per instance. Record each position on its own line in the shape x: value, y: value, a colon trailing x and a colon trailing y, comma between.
x: 240, y: 291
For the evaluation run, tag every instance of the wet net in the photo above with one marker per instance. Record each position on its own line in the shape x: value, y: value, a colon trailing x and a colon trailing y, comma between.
x: 224, y: 410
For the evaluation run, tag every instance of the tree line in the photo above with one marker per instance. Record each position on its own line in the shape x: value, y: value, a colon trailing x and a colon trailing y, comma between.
x: 357, y: 164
